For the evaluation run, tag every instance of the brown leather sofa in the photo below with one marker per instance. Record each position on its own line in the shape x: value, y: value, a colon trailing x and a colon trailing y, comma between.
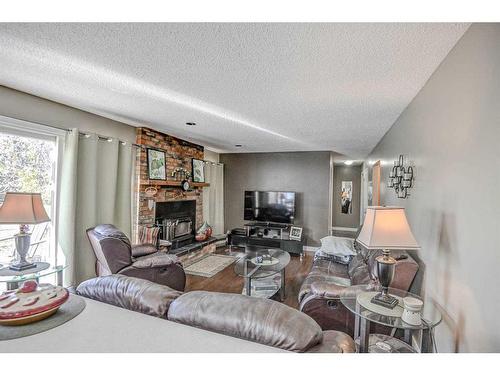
x: 255, y: 319
x: 319, y: 295
x: 115, y: 255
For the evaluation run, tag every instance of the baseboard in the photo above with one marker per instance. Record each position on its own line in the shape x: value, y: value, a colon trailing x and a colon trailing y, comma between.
x: 345, y: 229
x: 311, y: 248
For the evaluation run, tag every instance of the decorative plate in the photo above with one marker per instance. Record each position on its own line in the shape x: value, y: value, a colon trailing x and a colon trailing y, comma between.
x: 30, y: 303
x: 270, y: 262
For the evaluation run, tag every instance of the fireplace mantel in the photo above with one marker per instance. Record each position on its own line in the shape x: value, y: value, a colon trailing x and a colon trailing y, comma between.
x: 181, y: 153
x: 173, y: 183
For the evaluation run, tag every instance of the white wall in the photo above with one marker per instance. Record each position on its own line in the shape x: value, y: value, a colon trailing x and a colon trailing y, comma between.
x: 451, y: 133
x: 27, y: 107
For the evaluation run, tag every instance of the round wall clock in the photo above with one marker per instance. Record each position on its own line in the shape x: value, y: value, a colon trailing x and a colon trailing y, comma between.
x: 185, y: 185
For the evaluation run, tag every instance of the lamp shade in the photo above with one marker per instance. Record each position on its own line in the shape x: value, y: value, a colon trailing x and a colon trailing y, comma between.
x: 387, y: 228
x: 23, y: 208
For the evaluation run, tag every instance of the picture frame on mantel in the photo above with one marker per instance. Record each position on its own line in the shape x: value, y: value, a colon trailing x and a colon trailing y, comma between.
x: 295, y: 233
x: 198, y: 170
x: 157, y: 166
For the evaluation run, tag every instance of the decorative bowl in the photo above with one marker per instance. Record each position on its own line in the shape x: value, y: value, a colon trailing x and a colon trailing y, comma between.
x: 201, y: 237
x: 30, y: 303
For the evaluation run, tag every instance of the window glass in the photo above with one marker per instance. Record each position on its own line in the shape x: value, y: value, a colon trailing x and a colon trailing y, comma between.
x: 27, y: 164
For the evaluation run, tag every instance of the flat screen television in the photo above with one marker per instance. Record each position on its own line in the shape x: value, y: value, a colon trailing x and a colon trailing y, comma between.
x: 271, y: 206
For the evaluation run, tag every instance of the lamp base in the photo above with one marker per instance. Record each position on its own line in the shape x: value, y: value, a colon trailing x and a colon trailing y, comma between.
x: 385, y: 300
x: 21, y: 266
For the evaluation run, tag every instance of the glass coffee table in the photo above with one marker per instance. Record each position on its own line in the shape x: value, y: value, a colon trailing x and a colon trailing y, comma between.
x: 356, y: 299
x: 14, y: 279
x: 264, y: 272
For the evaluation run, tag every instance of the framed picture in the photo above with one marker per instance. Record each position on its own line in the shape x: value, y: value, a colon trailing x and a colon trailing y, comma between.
x: 156, y: 164
x: 296, y: 233
x: 198, y: 170
x: 346, y: 197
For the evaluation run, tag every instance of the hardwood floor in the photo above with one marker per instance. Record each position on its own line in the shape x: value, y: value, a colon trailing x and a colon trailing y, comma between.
x: 228, y: 281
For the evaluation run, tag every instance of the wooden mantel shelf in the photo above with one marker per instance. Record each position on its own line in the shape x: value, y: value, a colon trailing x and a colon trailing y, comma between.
x: 173, y: 183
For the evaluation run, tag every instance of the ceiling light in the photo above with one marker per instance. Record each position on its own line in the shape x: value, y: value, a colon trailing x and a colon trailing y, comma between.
x: 348, y: 162
x: 190, y: 123
x: 238, y: 145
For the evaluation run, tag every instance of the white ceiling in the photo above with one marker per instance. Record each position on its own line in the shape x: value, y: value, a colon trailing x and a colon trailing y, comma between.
x: 269, y: 87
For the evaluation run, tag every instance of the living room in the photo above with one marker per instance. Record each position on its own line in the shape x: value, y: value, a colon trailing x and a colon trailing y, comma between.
x: 250, y: 188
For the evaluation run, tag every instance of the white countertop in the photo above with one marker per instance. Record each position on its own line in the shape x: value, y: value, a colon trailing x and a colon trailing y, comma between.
x: 106, y: 328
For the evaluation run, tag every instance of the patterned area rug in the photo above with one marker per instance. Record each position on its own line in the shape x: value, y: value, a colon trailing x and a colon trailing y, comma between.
x: 209, y: 265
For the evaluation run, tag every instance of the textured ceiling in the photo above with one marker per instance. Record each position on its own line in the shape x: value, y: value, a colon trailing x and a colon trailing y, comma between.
x: 269, y: 87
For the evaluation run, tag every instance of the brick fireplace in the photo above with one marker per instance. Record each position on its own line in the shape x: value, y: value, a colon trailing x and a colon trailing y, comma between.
x: 179, y: 154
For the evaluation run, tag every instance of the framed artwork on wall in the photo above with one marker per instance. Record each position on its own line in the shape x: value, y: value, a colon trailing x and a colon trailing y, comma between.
x: 198, y: 171
x: 346, y: 197
x: 156, y: 164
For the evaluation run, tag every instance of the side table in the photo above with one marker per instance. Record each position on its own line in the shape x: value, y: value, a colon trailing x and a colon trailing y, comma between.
x: 14, y: 279
x: 364, y: 316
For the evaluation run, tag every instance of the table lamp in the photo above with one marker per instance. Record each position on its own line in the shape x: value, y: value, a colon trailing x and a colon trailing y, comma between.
x: 23, y: 209
x: 386, y: 228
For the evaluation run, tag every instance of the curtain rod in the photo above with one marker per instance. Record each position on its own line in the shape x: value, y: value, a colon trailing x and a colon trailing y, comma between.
x: 104, y: 138
x: 213, y: 162
x: 101, y: 137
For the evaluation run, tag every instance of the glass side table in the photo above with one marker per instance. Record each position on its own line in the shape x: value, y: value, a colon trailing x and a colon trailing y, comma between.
x: 431, y: 316
x: 14, y: 279
x: 248, y: 267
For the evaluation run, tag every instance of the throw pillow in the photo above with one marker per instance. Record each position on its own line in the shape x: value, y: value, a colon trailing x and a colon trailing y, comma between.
x: 341, y: 246
x: 148, y: 235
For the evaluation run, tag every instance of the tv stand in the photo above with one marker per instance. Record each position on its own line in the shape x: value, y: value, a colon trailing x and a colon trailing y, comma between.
x: 266, y: 234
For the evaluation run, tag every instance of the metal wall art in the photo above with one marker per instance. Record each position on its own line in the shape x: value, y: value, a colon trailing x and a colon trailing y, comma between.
x: 400, y: 178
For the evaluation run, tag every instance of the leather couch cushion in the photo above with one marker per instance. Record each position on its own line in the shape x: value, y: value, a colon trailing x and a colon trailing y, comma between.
x: 109, y: 230
x: 359, y: 260
x: 324, y: 271
x: 335, y: 342
x: 111, y: 247
x: 142, y: 250
x: 130, y: 293
x: 155, y: 260
x: 361, y: 275
x: 255, y: 319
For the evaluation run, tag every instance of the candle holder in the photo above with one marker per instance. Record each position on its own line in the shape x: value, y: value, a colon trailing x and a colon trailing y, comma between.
x: 400, y: 178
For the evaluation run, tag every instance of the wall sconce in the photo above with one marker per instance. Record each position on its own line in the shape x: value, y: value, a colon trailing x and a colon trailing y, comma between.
x: 400, y: 178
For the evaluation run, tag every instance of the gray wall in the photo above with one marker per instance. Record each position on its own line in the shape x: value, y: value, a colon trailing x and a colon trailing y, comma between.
x: 27, y: 107
x: 451, y: 133
x: 346, y: 173
x: 306, y: 173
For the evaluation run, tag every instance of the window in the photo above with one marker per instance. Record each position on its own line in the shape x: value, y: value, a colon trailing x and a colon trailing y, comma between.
x: 28, y: 163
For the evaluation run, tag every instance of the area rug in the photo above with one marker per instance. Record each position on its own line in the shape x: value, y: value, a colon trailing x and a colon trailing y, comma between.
x: 209, y: 265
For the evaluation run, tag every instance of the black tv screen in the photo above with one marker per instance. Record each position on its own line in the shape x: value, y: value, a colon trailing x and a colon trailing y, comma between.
x: 272, y: 206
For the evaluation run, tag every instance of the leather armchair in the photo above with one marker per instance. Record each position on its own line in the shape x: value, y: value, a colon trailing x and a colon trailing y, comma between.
x: 115, y: 255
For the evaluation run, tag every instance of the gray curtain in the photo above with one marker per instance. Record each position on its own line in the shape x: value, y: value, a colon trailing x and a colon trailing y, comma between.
x: 96, y: 188
x: 213, y: 197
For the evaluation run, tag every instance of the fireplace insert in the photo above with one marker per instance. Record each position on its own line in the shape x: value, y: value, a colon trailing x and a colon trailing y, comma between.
x: 173, y: 229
